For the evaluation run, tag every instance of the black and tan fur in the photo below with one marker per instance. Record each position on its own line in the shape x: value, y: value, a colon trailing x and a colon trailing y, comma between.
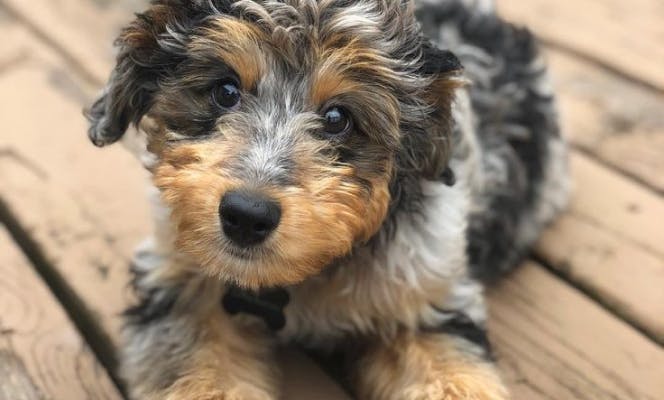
x: 453, y: 165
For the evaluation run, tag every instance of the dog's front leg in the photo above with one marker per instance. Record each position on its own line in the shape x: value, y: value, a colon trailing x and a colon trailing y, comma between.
x: 428, y: 366
x: 180, y: 344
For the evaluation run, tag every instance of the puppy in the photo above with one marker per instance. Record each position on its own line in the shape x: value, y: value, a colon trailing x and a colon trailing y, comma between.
x: 339, y: 174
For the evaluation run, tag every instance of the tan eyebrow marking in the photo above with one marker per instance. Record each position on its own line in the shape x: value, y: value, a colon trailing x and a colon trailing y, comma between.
x: 237, y: 43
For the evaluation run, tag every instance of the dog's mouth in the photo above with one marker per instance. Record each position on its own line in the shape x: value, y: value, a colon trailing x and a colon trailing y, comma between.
x: 249, y: 255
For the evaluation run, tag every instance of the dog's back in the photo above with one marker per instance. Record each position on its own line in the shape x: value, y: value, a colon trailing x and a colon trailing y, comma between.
x: 511, y: 153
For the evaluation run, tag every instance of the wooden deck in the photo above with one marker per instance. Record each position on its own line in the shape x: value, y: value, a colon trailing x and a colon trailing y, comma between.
x: 583, y: 319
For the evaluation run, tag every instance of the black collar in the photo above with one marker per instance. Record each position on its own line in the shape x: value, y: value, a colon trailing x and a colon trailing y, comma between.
x: 267, y: 304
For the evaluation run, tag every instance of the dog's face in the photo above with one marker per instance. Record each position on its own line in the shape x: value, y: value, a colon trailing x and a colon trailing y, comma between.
x: 285, y: 132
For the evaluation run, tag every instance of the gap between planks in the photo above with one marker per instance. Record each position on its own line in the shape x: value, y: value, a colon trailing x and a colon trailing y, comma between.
x: 624, y: 133
x: 42, y: 355
x: 624, y: 35
x: 595, y: 295
x: 99, y: 341
x: 597, y: 62
x: 617, y: 170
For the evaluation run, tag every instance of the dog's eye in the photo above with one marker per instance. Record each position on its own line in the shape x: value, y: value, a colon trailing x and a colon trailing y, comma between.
x: 226, y: 95
x: 337, y: 121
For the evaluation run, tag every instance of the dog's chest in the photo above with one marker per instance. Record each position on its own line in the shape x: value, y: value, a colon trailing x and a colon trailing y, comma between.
x: 405, y: 281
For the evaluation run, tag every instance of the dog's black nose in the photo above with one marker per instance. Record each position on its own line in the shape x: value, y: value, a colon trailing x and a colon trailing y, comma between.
x: 248, y: 218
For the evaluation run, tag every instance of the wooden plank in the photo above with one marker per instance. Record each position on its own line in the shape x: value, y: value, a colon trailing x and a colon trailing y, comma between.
x: 41, y: 353
x: 82, y: 30
x: 623, y: 35
x: 626, y: 278
x: 618, y: 204
x: 554, y: 343
x: 67, y: 194
x: 608, y: 116
x: 610, y: 244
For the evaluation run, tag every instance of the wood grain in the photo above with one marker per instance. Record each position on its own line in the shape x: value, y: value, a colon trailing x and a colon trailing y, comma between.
x: 610, y: 244
x: 554, y: 343
x: 41, y: 354
x: 618, y: 122
x: 80, y: 30
x: 65, y: 192
x: 623, y: 35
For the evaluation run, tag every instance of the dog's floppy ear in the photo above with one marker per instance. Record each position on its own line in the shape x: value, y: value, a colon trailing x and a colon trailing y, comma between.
x: 444, y: 69
x: 439, y: 62
x: 444, y: 73
x: 149, y: 48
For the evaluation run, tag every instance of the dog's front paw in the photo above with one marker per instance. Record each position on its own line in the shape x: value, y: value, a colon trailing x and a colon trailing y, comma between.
x: 459, y: 387
x: 238, y: 392
x: 248, y: 392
